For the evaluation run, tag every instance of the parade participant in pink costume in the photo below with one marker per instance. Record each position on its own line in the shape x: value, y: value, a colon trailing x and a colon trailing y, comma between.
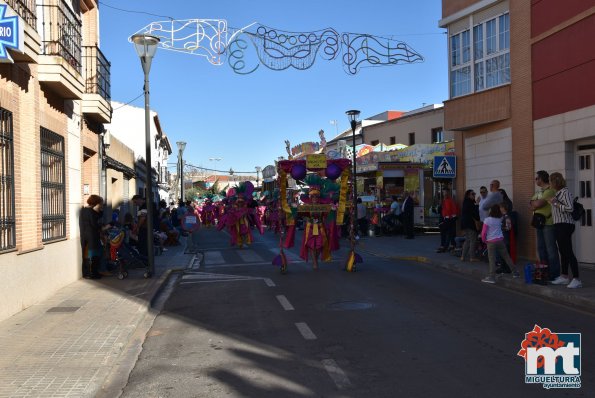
x: 208, y: 213
x: 272, y: 212
x: 238, y: 217
x: 318, y: 232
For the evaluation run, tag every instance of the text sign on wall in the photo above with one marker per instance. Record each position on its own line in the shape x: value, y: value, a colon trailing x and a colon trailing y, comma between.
x: 11, y: 33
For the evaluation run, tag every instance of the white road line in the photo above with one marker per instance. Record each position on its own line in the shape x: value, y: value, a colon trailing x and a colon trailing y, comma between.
x: 305, y: 331
x: 334, y: 371
x: 219, y: 280
x: 269, y: 282
x: 247, y: 264
x: 214, y: 257
x: 249, y: 256
x: 204, y: 275
x: 285, y: 303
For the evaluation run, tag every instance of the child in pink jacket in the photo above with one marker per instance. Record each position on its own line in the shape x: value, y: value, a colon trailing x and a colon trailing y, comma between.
x: 492, y: 235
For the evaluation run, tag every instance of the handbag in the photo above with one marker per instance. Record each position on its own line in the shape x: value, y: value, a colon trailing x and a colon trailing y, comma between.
x: 538, y: 221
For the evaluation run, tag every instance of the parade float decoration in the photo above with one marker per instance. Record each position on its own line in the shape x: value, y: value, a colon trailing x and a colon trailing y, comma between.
x: 322, y: 207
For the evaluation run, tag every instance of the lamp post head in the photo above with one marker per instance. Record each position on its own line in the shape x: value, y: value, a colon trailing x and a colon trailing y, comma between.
x: 181, y: 146
x: 145, y: 46
x: 352, y: 115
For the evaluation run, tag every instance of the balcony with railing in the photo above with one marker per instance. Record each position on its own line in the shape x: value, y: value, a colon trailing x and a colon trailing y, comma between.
x: 60, y: 63
x: 26, y: 9
x: 97, y: 95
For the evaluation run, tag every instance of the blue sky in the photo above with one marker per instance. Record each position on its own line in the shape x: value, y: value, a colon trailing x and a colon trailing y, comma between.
x: 245, y: 119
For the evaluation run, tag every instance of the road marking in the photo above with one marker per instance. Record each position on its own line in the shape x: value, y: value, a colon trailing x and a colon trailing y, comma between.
x: 218, y: 280
x: 214, y: 257
x: 246, y: 264
x: 305, y: 331
x: 207, y: 275
x: 249, y: 256
x: 285, y: 303
x: 269, y: 282
x: 334, y: 371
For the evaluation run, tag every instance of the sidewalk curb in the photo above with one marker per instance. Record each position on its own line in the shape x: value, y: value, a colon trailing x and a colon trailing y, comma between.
x: 117, y: 379
x: 549, y: 293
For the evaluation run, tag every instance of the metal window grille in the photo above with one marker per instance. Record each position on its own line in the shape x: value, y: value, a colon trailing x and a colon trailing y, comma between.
x: 61, y: 32
x: 97, y: 72
x: 53, y: 187
x: 7, y: 203
x: 26, y: 10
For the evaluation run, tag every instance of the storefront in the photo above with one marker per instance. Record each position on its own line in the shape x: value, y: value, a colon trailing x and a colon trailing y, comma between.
x: 391, y: 173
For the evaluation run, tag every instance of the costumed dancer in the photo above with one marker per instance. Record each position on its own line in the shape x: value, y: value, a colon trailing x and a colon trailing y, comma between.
x: 208, y: 212
x: 238, y: 217
x: 274, y: 221
x: 316, y: 242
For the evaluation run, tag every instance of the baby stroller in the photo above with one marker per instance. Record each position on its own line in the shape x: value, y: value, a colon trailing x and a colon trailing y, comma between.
x: 123, y: 256
x: 115, y: 240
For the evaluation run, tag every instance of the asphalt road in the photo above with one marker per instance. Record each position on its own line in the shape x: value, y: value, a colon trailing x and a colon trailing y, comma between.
x: 236, y: 327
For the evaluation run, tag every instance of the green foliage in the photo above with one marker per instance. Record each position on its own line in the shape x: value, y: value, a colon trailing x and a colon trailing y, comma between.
x: 192, y: 194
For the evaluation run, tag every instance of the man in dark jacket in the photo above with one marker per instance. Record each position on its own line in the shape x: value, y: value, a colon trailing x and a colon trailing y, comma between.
x: 90, y: 230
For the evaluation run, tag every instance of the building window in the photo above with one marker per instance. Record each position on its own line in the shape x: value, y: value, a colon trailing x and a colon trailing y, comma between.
x: 437, y: 135
x: 460, y: 57
x: 375, y: 142
x: 7, y: 203
x: 53, y: 187
x: 490, y: 57
x: 393, y: 140
x: 411, y: 139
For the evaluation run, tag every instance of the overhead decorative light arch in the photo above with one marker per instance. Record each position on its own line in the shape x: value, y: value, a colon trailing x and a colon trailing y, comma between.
x: 246, y: 49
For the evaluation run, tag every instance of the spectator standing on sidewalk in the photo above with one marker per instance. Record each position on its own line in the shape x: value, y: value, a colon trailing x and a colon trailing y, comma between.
x: 493, y: 198
x: 90, y: 231
x: 469, y: 222
x: 547, y: 250
x: 191, y: 224
x: 483, y: 194
x: 491, y: 233
x: 448, y: 231
x: 564, y: 228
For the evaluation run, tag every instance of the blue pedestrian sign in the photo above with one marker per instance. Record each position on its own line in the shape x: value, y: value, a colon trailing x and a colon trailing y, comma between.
x: 445, y: 166
x: 11, y: 33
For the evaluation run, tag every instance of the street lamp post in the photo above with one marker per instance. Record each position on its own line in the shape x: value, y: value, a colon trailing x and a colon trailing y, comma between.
x: 146, y: 46
x: 181, y: 146
x: 353, y: 115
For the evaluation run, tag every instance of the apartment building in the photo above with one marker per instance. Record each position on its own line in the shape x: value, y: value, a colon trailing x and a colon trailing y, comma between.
x: 54, y: 99
x: 424, y: 125
x: 128, y: 126
x: 521, y: 100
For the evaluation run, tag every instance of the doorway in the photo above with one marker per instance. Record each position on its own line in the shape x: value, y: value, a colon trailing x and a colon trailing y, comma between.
x: 585, y: 236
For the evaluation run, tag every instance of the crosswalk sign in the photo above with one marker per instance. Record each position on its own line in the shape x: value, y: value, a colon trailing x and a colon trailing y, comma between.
x: 445, y: 166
